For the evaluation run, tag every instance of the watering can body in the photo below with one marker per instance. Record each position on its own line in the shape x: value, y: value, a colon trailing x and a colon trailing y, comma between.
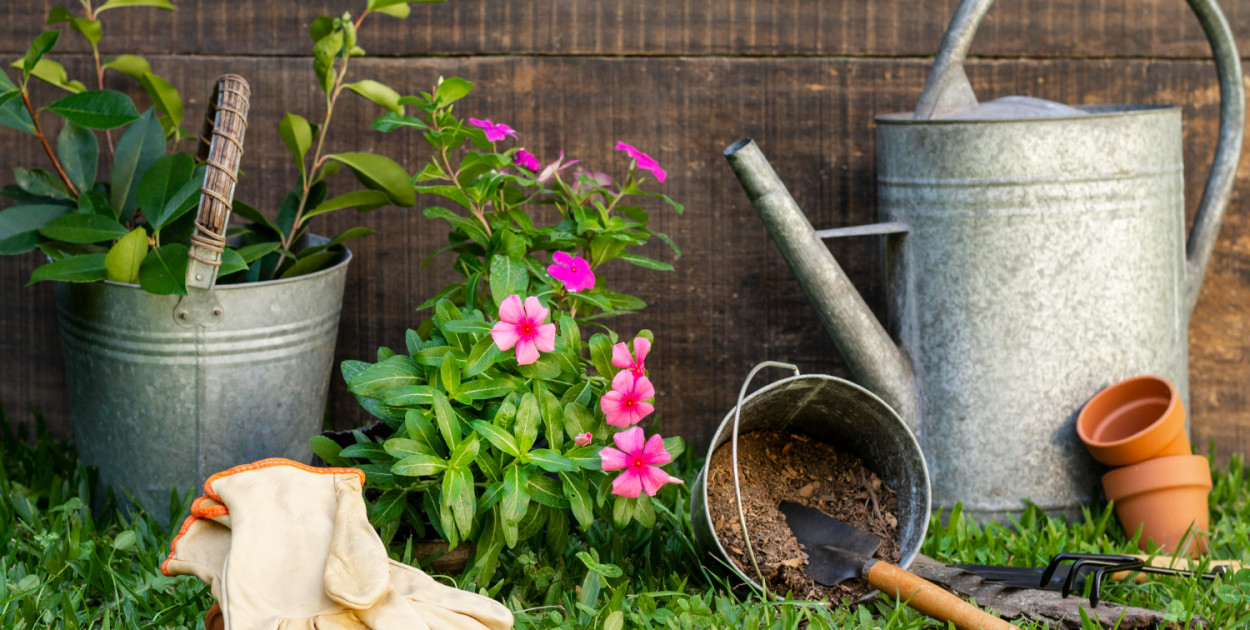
x: 1034, y: 254
x: 1044, y: 259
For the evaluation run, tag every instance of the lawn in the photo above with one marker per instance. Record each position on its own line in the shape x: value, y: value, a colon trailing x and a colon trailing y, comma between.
x: 63, y: 568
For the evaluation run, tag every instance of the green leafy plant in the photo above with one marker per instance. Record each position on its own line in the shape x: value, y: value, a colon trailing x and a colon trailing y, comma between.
x: 491, y: 445
x: 133, y: 228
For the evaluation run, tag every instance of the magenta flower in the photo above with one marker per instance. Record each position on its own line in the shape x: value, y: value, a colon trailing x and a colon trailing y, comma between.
x: 627, y: 403
x: 573, y: 271
x: 496, y: 131
x: 583, y: 439
x: 640, y: 462
x: 645, y: 161
x: 527, y: 160
x: 523, y: 328
x: 635, y: 363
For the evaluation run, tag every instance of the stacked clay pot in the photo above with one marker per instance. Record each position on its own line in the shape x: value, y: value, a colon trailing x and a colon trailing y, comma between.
x: 1137, y: 427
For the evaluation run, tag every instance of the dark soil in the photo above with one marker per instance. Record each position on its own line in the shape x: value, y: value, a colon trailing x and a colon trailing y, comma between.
x: 776, y: 466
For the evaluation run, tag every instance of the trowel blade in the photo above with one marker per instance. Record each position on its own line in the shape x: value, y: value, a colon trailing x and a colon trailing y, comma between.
x: 836, y: 551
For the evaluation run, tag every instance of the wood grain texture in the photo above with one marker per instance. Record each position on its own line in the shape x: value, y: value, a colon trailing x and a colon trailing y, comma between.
x: 681, y: 80
x: 888, y: 28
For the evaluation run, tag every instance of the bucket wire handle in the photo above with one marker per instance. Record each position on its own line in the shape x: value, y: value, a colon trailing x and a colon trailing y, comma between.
x: 742, y: 517
x: 221, y: 149
x: 947, y: 90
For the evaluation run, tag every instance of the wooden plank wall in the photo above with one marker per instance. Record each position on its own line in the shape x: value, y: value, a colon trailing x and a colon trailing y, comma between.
x: 680, y: 79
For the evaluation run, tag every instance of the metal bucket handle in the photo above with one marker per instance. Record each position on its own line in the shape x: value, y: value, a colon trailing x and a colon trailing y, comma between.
x: 221, y: 148
x: 948, y: 90
x: 742, y: 517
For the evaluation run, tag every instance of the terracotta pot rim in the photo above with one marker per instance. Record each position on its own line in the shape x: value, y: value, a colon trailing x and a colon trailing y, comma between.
x: 1082, y: 419
x: 1185, y: 471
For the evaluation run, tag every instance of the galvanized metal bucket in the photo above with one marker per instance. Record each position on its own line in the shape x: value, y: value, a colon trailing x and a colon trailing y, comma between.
x: 833, y: 411
x: 167, y: 390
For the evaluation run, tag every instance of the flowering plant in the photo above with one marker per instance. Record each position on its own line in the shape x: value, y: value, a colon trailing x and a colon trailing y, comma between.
x: 505, y: 423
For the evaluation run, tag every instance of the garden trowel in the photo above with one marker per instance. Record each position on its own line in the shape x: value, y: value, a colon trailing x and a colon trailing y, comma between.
x: 838, y: 552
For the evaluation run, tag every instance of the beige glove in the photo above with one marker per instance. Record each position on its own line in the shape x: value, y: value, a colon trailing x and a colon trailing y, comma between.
x: 246, y: 527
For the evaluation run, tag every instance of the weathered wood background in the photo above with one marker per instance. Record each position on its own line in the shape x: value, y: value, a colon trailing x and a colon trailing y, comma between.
x: 681, y: 80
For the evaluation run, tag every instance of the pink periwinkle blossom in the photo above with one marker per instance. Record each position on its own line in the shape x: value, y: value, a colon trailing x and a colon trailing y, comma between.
x: 553, y: 168
x: 627, y: 403
x: 639, y: 462
x: 495, y: 131
x: 635, y: 363
x: 586, y: 180
x: 573, y: 271
x: 523, y: 327
x: 526, y: 160
x: 645, y: 162
x: 583, y: 439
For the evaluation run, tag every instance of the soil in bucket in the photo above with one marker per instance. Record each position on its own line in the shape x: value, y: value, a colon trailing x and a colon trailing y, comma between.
x: 776, y: 466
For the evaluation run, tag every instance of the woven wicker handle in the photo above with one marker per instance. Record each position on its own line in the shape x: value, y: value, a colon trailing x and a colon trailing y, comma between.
x: 221, y: 148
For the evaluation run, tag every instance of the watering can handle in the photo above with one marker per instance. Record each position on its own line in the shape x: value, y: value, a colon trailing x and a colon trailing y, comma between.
x: 221, y: 148
x: 948, y: 90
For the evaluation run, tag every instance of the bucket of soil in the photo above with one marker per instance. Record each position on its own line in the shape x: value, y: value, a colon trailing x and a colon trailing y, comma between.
x: 822, y: 442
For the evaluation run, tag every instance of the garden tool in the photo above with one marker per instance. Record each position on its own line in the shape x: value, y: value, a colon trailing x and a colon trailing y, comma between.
x: 1034, y: 253
x: 310, y: 525
x: 1067, y: 579
x: 838, y: 552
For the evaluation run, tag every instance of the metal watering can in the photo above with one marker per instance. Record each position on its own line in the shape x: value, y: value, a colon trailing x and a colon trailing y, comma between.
x: 1034, y: 255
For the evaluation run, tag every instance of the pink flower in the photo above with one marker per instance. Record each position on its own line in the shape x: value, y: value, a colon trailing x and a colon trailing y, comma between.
x: 583, y: 439
x: 622, y: 359
x: 640, y: 463
x: 496, y: 131
x: 523, y: 328
x: 555, y: 167
x: 573, y: 271
x: 526, y: 160
x: 626, y: 403
x: 588, y: 180
x: 645, y: 161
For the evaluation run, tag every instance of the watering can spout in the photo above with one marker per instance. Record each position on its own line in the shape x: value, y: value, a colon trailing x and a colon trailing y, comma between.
x: 877, y: 363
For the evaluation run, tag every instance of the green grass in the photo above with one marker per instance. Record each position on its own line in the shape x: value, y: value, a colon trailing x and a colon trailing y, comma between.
x: 60, y: 567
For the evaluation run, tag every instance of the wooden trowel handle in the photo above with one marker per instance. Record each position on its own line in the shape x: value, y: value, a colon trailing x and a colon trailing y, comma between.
x: 930, y: 598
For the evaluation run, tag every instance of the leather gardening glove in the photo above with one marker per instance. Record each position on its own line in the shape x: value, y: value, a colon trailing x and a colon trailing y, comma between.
x: 273, y: 503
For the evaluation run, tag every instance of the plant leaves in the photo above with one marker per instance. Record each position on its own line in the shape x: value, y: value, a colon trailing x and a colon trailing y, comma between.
x: 394, y: 372
x: 484, y: 354
x: 527, y: 421
x: 13, y: 113
x: 231, y: 262
x: 165, y: 99
x: 547, y: 491
x: 516, y: 499
x: 550, y: 460
x: 579, y: 498
x: 324, y: 52
x: 400, y: 448
x: 38, y: 48
x: 297, y: 135
x: 498, y: 437
x: 164, y: 270
x: 419, y: 465
x: 113, y: 4
x: 379, y: 172
x: 132, y: 66
x: 79, y: 152
x: 97, y: 109
x: 328, y: 451
x: 159, y: 185
x: 83, y: 228
x: 53, y: 73
x: 379, y: 93
x: 362, y: 200
x: 647, y: 263
x: 125, y: 257
x: 447, y: 420
x: 19, y: 226
x: 85, y: 268
x: 507, y: 277
x: 309, y: 264
x: 452, y: 89
x: 139, y: 146
x: 250, y: 253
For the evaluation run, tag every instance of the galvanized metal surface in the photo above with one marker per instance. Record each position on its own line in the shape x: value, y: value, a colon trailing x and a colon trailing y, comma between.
x: 166, y: 391
x: 1044, y: 261
x: 848, y: 417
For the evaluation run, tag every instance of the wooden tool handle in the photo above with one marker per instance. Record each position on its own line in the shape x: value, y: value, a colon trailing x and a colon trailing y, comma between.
x: 930, y: 598
x: 1173, y: 562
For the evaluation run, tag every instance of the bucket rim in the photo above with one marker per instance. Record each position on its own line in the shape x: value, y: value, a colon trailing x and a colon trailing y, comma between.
x: 1094, y: 112
x: 347, y: 258
x: 700, y: 482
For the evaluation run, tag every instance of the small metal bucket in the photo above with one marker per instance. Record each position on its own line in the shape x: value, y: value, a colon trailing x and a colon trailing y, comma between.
x: 167, y: 390
x: 833, y: 411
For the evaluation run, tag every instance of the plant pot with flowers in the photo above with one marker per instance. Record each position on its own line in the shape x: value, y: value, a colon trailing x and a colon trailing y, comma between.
x: 502, y: 421
x: 189, y: 349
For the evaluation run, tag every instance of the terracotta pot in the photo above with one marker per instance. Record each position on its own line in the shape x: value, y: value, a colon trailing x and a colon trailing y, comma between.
x: 1133, y: 421
x: 1166, y: 497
